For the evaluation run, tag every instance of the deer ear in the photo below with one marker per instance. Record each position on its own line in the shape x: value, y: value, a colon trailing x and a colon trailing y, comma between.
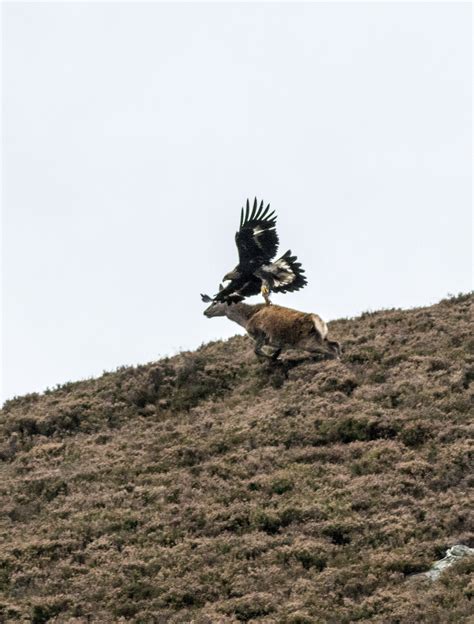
x: 206, y: 298
x: 221, y: 287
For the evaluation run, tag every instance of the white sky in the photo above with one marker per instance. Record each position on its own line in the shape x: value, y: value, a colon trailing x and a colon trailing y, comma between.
x: 133, y: 133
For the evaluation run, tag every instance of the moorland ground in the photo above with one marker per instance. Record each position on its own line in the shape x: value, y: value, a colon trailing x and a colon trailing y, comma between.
x: 210, y: 488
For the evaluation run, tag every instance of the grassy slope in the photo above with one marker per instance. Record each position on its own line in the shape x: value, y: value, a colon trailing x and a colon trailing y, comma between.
x: 208, y: 488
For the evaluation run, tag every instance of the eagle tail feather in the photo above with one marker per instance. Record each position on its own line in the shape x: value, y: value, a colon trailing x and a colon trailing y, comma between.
x: 288, y: 274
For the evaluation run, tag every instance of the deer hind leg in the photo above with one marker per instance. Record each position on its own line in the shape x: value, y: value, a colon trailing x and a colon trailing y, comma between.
x: 315, y: 347
x: 334, y: 347
x: 328, y: 349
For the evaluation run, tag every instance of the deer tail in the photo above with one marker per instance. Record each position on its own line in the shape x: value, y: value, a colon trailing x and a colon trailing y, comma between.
x: 320, y: 326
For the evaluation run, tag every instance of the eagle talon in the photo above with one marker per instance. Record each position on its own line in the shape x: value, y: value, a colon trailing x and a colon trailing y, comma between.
x: 266, y: 294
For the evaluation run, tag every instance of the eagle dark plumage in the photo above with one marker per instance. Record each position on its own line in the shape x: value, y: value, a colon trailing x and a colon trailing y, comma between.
x: 257, y: 243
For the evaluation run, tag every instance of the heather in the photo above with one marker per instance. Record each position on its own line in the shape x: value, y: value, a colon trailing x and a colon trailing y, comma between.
x: 212, y: 488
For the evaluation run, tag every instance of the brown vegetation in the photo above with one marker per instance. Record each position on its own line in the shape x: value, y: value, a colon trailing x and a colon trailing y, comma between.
x: 210, y: 488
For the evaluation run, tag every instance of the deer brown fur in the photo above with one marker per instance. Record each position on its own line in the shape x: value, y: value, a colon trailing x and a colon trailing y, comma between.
x: 278, y: 328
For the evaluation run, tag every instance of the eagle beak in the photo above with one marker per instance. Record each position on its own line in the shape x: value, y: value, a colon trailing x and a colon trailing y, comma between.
x: 230, y: 276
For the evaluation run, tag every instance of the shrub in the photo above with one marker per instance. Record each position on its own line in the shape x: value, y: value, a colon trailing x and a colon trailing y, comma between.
x: 41, y: 613
x: 251, y: 606
x: 352, y: 429
x: 196, y: 381
x: 339, y: 534
x: 281, y: 485
x: 308, y: 557
x: 414, y: 434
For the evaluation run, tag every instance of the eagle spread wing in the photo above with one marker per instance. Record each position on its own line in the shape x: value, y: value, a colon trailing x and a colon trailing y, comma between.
x: 256, y: 240
x: 257, y: 243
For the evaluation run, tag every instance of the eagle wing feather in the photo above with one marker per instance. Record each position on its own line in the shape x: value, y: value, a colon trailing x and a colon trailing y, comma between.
x: 235, y: 292
x: 257, y: 240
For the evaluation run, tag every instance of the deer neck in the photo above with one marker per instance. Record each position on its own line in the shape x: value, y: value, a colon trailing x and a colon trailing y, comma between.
x: 241, y: 313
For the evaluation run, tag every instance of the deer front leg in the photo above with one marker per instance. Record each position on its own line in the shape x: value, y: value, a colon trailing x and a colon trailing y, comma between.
x: 275, y: 354
x: 276, y: 349
x: 259, y: 343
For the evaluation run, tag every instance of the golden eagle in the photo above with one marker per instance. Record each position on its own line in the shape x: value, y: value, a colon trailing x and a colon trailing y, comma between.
x: 257, y: 243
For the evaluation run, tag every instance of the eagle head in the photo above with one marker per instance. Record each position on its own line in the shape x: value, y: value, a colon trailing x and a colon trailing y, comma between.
x: 232, y: 275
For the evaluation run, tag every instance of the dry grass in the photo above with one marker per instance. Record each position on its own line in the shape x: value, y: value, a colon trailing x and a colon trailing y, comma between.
x: 209, y: 489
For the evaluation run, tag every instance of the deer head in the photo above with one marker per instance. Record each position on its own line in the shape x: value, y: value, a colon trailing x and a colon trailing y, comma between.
x: 216, y: 309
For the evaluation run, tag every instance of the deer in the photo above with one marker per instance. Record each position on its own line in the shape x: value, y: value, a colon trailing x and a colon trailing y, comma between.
x: 278, y: 328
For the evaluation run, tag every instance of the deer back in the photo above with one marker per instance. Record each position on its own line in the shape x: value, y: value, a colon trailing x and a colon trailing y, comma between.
x: 282, y: 325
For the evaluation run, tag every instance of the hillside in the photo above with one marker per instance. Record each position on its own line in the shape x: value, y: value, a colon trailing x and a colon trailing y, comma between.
x: 210, y: 488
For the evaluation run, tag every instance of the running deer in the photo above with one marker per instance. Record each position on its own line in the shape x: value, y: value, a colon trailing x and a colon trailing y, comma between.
x: 278, y: 328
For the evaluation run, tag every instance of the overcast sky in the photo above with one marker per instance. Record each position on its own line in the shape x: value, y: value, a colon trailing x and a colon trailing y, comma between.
x: 133, y: 133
